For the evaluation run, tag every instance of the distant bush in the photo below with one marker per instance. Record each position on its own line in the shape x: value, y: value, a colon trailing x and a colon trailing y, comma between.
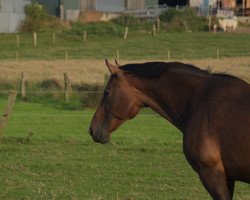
x: 30, y: 26
x: 102, y: 28
x: 51, y: 84
x: 183, y: 20
x: 126, y: 20
x: 35, y: 17
x: 134, y: 23
x: 35, y: 12
x: 8, y: 85
x: 169, y: 14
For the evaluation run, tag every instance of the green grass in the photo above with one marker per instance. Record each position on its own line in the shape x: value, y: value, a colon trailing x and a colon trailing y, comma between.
x: 138, y: 46
x: 143, y: 161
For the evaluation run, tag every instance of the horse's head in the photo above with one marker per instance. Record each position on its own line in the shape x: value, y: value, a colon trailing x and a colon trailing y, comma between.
x: 119, y: 103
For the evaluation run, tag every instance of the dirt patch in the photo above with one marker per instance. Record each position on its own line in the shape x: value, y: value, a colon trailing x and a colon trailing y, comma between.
x: 93, y: 71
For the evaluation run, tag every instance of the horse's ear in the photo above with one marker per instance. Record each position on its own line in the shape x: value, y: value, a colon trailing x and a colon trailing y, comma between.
x: 112, y: 68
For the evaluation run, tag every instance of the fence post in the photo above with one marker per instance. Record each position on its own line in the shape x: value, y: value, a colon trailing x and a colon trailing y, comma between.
x: 218, y: 53
x: 67, y: 86
x: 23, y: 86
x: 126, y: 33
x: 168, y: 54
x: 35, y: 39
x: 210, y: 22
x: 8, y: 110
x: 18, y: 41
x: 158, y: 24
x: 154, y: 30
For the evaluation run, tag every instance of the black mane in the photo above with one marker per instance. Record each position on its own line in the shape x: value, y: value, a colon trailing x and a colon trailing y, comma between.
x: 151, y: 70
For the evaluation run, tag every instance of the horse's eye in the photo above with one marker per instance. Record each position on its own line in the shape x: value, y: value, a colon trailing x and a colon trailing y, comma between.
x: 106, y: 92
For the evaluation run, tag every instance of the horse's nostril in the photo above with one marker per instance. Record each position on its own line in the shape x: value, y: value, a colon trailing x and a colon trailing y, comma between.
x: 90, y: 131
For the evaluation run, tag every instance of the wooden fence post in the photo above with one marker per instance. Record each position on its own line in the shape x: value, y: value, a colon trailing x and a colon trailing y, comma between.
x: 168, y: 54
x: 18, y: 41
x: 126, y: 33
x: 67, y: 87
x: 210, y: 22
x: 158, y: 24
x: 154, y: 30
x: 23, y: 86
x: 8, y: 110
x: 35, y: 39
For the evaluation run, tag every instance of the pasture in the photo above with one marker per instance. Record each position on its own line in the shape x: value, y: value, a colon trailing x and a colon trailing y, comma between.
x: 60, y: 161
x: 195, y: 45
x: 46, y: 151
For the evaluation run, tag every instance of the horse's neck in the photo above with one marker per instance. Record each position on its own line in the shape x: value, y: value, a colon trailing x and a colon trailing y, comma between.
x: 173, y: 96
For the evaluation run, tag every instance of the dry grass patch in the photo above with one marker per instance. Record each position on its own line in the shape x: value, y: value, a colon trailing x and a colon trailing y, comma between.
x: 93, y: 71
x: 79, y: 71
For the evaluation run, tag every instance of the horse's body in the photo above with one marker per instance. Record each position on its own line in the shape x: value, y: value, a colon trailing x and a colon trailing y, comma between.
x: 228, y: 23
x: 211, y: 110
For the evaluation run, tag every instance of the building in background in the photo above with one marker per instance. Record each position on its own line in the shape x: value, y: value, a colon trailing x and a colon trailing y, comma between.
x: 51, y: 6
x: 224, y: 4
x: 12, y: 14
x: 174, y: 3
x: 116, y: 5
x: 94, y: 10
x: 70, y: 7
x: 73, y: 8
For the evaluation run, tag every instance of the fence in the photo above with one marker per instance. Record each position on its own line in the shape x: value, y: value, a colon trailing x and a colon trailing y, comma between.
x: 83, y: 49
x: 52, y: 91
x: 171, y: 54
x: 42, y: 114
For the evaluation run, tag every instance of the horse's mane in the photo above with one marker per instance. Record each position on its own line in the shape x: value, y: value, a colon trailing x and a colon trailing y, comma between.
x: 152, y: 70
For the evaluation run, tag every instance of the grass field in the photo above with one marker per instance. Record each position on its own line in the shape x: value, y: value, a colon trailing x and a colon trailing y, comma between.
x: 85, y: 62
x: 181, y: 46
x: 60, y: 161
x: 144, y: 159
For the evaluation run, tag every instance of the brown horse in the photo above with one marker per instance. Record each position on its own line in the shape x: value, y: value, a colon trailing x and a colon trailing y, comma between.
x: 211, y: 110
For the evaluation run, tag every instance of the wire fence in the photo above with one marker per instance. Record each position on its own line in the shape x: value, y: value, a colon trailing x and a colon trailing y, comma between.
x: 51, y: 46
x: 54, y: 92
x: 171, y: 54
x: 17, y: 113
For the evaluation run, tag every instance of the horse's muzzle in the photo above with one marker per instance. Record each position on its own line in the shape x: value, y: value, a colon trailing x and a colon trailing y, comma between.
x: 99, y: 136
